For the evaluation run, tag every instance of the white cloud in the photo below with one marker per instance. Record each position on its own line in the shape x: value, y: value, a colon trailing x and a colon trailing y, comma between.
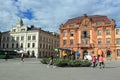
x: 49, y: 14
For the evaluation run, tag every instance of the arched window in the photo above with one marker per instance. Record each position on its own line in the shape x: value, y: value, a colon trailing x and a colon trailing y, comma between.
x: 28, y: 53
x: 33, y: 54
x: 33, y: 45
x: 28, y: 45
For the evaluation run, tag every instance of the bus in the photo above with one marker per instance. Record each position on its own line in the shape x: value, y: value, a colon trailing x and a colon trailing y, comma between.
x: 11, y: 54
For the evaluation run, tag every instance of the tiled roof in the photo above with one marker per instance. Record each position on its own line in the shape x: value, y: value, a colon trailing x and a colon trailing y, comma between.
x: 94, y: 18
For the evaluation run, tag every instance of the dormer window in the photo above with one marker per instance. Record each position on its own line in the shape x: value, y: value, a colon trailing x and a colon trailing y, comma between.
x: 22, y: 30
x: 71, y: 34
x: 14, y: 30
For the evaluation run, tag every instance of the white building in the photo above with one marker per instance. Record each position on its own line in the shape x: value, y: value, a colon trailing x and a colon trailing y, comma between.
x: 33, y: 41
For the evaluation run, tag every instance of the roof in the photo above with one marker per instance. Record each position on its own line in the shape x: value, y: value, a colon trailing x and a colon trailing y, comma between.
x: 93, y: 18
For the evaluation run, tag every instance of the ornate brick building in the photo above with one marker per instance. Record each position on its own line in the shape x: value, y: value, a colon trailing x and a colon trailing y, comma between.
x: 91, y: 34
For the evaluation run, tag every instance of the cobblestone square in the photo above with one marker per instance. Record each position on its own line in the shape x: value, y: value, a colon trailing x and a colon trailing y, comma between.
x: 32, y: 69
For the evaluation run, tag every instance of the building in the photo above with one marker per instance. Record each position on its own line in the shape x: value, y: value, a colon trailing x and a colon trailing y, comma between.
x: 91, y: 35
x: 0, y: 39
x: 35, y: 42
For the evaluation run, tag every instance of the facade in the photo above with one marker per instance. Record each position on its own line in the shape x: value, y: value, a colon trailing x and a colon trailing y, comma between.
x: 0, y: 40
x: 35, y: 42
x: 91, y: 35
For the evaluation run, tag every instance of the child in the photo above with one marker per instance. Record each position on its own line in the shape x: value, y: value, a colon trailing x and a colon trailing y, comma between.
x: 94, y: 61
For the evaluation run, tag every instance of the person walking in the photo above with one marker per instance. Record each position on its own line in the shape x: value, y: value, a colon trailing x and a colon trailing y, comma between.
x: 101, y: 62
x: 94, y: 61
x: 22, y: 57
x: 6, y: 56
x: 51, y: 61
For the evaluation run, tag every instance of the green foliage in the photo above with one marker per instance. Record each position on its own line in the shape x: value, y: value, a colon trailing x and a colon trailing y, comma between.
x: 74, y: 63
x: 44, y: 60
x: 61, y: 62
x: 68, y: 62
x: 85, y: 63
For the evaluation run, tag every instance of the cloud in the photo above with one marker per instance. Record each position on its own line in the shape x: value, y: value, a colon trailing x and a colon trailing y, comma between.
x: 49, y: 14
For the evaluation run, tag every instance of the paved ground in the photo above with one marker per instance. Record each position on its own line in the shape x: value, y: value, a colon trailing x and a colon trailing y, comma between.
x: 32, y: 69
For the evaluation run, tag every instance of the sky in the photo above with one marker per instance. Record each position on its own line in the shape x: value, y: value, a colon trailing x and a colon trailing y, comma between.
x: 49, y: 14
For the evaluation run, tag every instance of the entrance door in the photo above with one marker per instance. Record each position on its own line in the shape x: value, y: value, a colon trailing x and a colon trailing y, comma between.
x: 84, y: 54
x: 108, y: 53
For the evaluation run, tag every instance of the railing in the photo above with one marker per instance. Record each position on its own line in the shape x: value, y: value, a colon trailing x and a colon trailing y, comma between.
x: 85, y: 45
x: 85, y: 36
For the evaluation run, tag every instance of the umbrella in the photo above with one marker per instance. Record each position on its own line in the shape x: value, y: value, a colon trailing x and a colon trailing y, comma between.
x: 21, y: 51
x: 88, y: 57
x: 77, y: 53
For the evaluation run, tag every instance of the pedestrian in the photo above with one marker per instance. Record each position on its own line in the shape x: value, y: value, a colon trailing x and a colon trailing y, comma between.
x: 22, y: 57
x: 51, y: 61
x: 101, y: 62
x: 6, y: 56
x: 94, y: 61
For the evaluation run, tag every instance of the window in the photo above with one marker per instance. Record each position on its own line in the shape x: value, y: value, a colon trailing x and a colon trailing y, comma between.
x: 14, y: 30
x: 28, y: 45
x: 33, y: 37
x: 84, y: 34
x: 21, y: 45
x: 28, y: 53
x: 117, y: 31
x: 40, y: 45
x: 87, y: 41
x: 64, y: 34
x: 13, y: 39
x: 83, y: 41
x: 71, y: 34
x: 64, y: 42
x: 12, y: 45
x: 118, y: 52
x: 7, y: 45
x: 107, y: 41
x: 22, y: 38
x: 3, y: 45
x: 29, y: 37
x: 8, y: 38
x: 71, y: 42
x: 107, y: 32
x: 17, y: 38
x: 3, y: 39
x: 99, y: 32
x: 99, y: 41
x: 118, y: 41
x: 33, y: 45
x: 33, y: 54
x: 22, y: 30
x: 17, y: 45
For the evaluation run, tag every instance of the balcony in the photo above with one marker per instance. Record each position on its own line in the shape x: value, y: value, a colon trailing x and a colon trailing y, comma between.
x: 87, y: 36
x: 85, y: 46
